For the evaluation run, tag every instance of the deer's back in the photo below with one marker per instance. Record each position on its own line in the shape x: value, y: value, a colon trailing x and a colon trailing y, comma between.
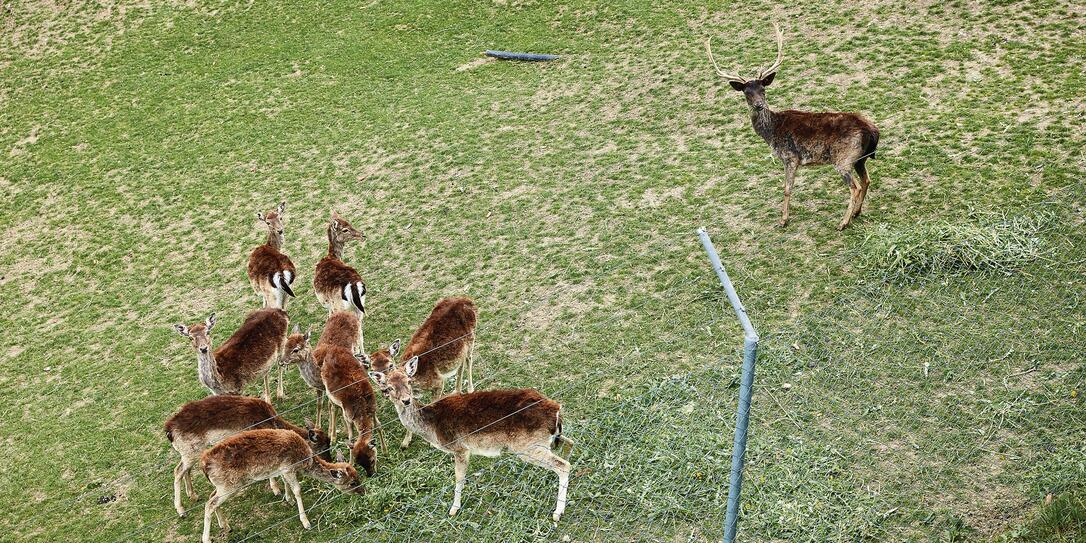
x: 254, y: 455
x: 266, y: 260
x: 347, y: 381
x: 252, y: 349
x: 443, y: 337
x: 332, y: 273
x: 821, y: 137
x: 221, y: 413
x: 341, y: 330
x: 491, y: 419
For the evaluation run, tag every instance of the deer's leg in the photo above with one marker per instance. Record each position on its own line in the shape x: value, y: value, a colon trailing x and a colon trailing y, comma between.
x: 459, y: 376
x: 853, y: 194
x: 470, y: 363
x: 361, y: 334
x: 178, y: 476
x: 864, y: 181
x: 320, y: 399
x: 274, y: 486
x: 461, y: 460
x: 292, y: 482
x: 332, y: 421
x: 348, y: 421
x: 789, y: 180
x: 542, y: 456
x: 212, y: 506
x: 279, y: 392
x: 406, y: 438
x: 381, y: 433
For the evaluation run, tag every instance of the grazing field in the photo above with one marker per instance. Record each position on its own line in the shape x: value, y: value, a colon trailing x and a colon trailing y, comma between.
x: 921, y: 376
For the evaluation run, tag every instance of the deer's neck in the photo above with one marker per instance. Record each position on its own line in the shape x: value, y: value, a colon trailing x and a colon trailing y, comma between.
x: 764, y: 121
x: 275, y: 240
x: 412, y: 417
x: 311, y: 374
x: 335, y: 245
x: 318, y: 468
x: 209, y: 372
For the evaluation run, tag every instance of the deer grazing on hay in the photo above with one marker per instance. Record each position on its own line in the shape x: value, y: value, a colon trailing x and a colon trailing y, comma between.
x: 270, y: 271
x: 337, y: 285
x: 250, y: 353
x: 256, y: 455
x: 522, y: 421
x: 802, y: 138
x: 203, y: 423
x: 444, y: 345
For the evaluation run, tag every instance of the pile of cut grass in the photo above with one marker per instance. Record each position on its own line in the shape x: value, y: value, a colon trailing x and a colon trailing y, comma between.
x: 986, y: 241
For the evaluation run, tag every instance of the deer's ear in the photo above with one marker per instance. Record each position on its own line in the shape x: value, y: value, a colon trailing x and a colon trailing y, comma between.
x: 411, y: 366
x: 378, y: 377
x: 394, y: 348
x: 297, y: 329
x: 210, y: 322
x: 339, y: 458
x: 282, y: 207
x: 308, y: 333
x: 260, y: 216
x: 181, y: 329
x: 737, y: 85
x: 768, y: 79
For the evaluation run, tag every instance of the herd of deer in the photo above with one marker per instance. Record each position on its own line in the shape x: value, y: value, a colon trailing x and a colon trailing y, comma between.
x: 250, y: 442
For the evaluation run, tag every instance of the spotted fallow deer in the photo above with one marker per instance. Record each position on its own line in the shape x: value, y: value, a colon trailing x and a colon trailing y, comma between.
x: 202, y: 423
x: 521, y: 421
x: 337, y: 285
x: 270, y: 271
x: 444, y: 345
x: 300, y: 354
x: 256, y: 455
x: 803, y: 138
x: 250, y: 353
x: 348, y: 388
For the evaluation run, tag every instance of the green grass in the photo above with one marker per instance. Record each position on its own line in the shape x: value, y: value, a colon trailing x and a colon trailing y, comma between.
x: 138, y: 141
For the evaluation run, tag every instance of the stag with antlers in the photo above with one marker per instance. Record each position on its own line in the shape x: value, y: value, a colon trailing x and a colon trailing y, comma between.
x: 803, y: 138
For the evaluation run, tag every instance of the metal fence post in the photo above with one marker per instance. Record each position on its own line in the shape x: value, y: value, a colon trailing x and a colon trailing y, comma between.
x: 746, y: 384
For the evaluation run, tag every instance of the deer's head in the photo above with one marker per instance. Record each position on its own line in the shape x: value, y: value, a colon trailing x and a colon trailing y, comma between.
x: 340, y: 231
x: 343, y: 475
x: 753, y: 89
x: 298, y: 349
x: 395, y: 384
x: 382, y: 360
x: 318, y: 441
x: 199, y: 334
x: 274, y: 221
x: 364, y: 454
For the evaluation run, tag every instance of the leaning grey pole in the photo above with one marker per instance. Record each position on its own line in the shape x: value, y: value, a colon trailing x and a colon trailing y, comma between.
x: 746, y: 383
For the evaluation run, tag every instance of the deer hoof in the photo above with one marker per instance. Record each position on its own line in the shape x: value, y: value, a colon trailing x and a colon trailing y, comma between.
x: 782, y: 223
x: 842, y: 226
x: 556, y: 517
x: 307, y: 525
x: 453, y: 511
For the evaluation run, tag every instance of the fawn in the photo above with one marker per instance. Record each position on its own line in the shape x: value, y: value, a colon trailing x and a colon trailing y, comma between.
x: 802, y: 138
x: 202, y: 423
x: 251, y: 352
x: 522, y: 421
x: 444, y: 345
x: 348, y: 388
x: 270, y: 271
x: 337, y: 285
x: 256, y: 455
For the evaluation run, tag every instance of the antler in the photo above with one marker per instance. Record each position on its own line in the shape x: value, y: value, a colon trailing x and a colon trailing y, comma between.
x: 780, y: 54
x: 725, y: 75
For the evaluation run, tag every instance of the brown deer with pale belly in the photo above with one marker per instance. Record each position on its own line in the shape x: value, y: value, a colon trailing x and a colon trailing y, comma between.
x: 250, y: 353
x: 348, y: 387
x: 258, y: 455
x: 444, y: 345
x: 342, y: 330
x: 337, y: 285
x: 270, y: 271
x: 202, y: 423
x: 803, y: 138
x: 521, y: 421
